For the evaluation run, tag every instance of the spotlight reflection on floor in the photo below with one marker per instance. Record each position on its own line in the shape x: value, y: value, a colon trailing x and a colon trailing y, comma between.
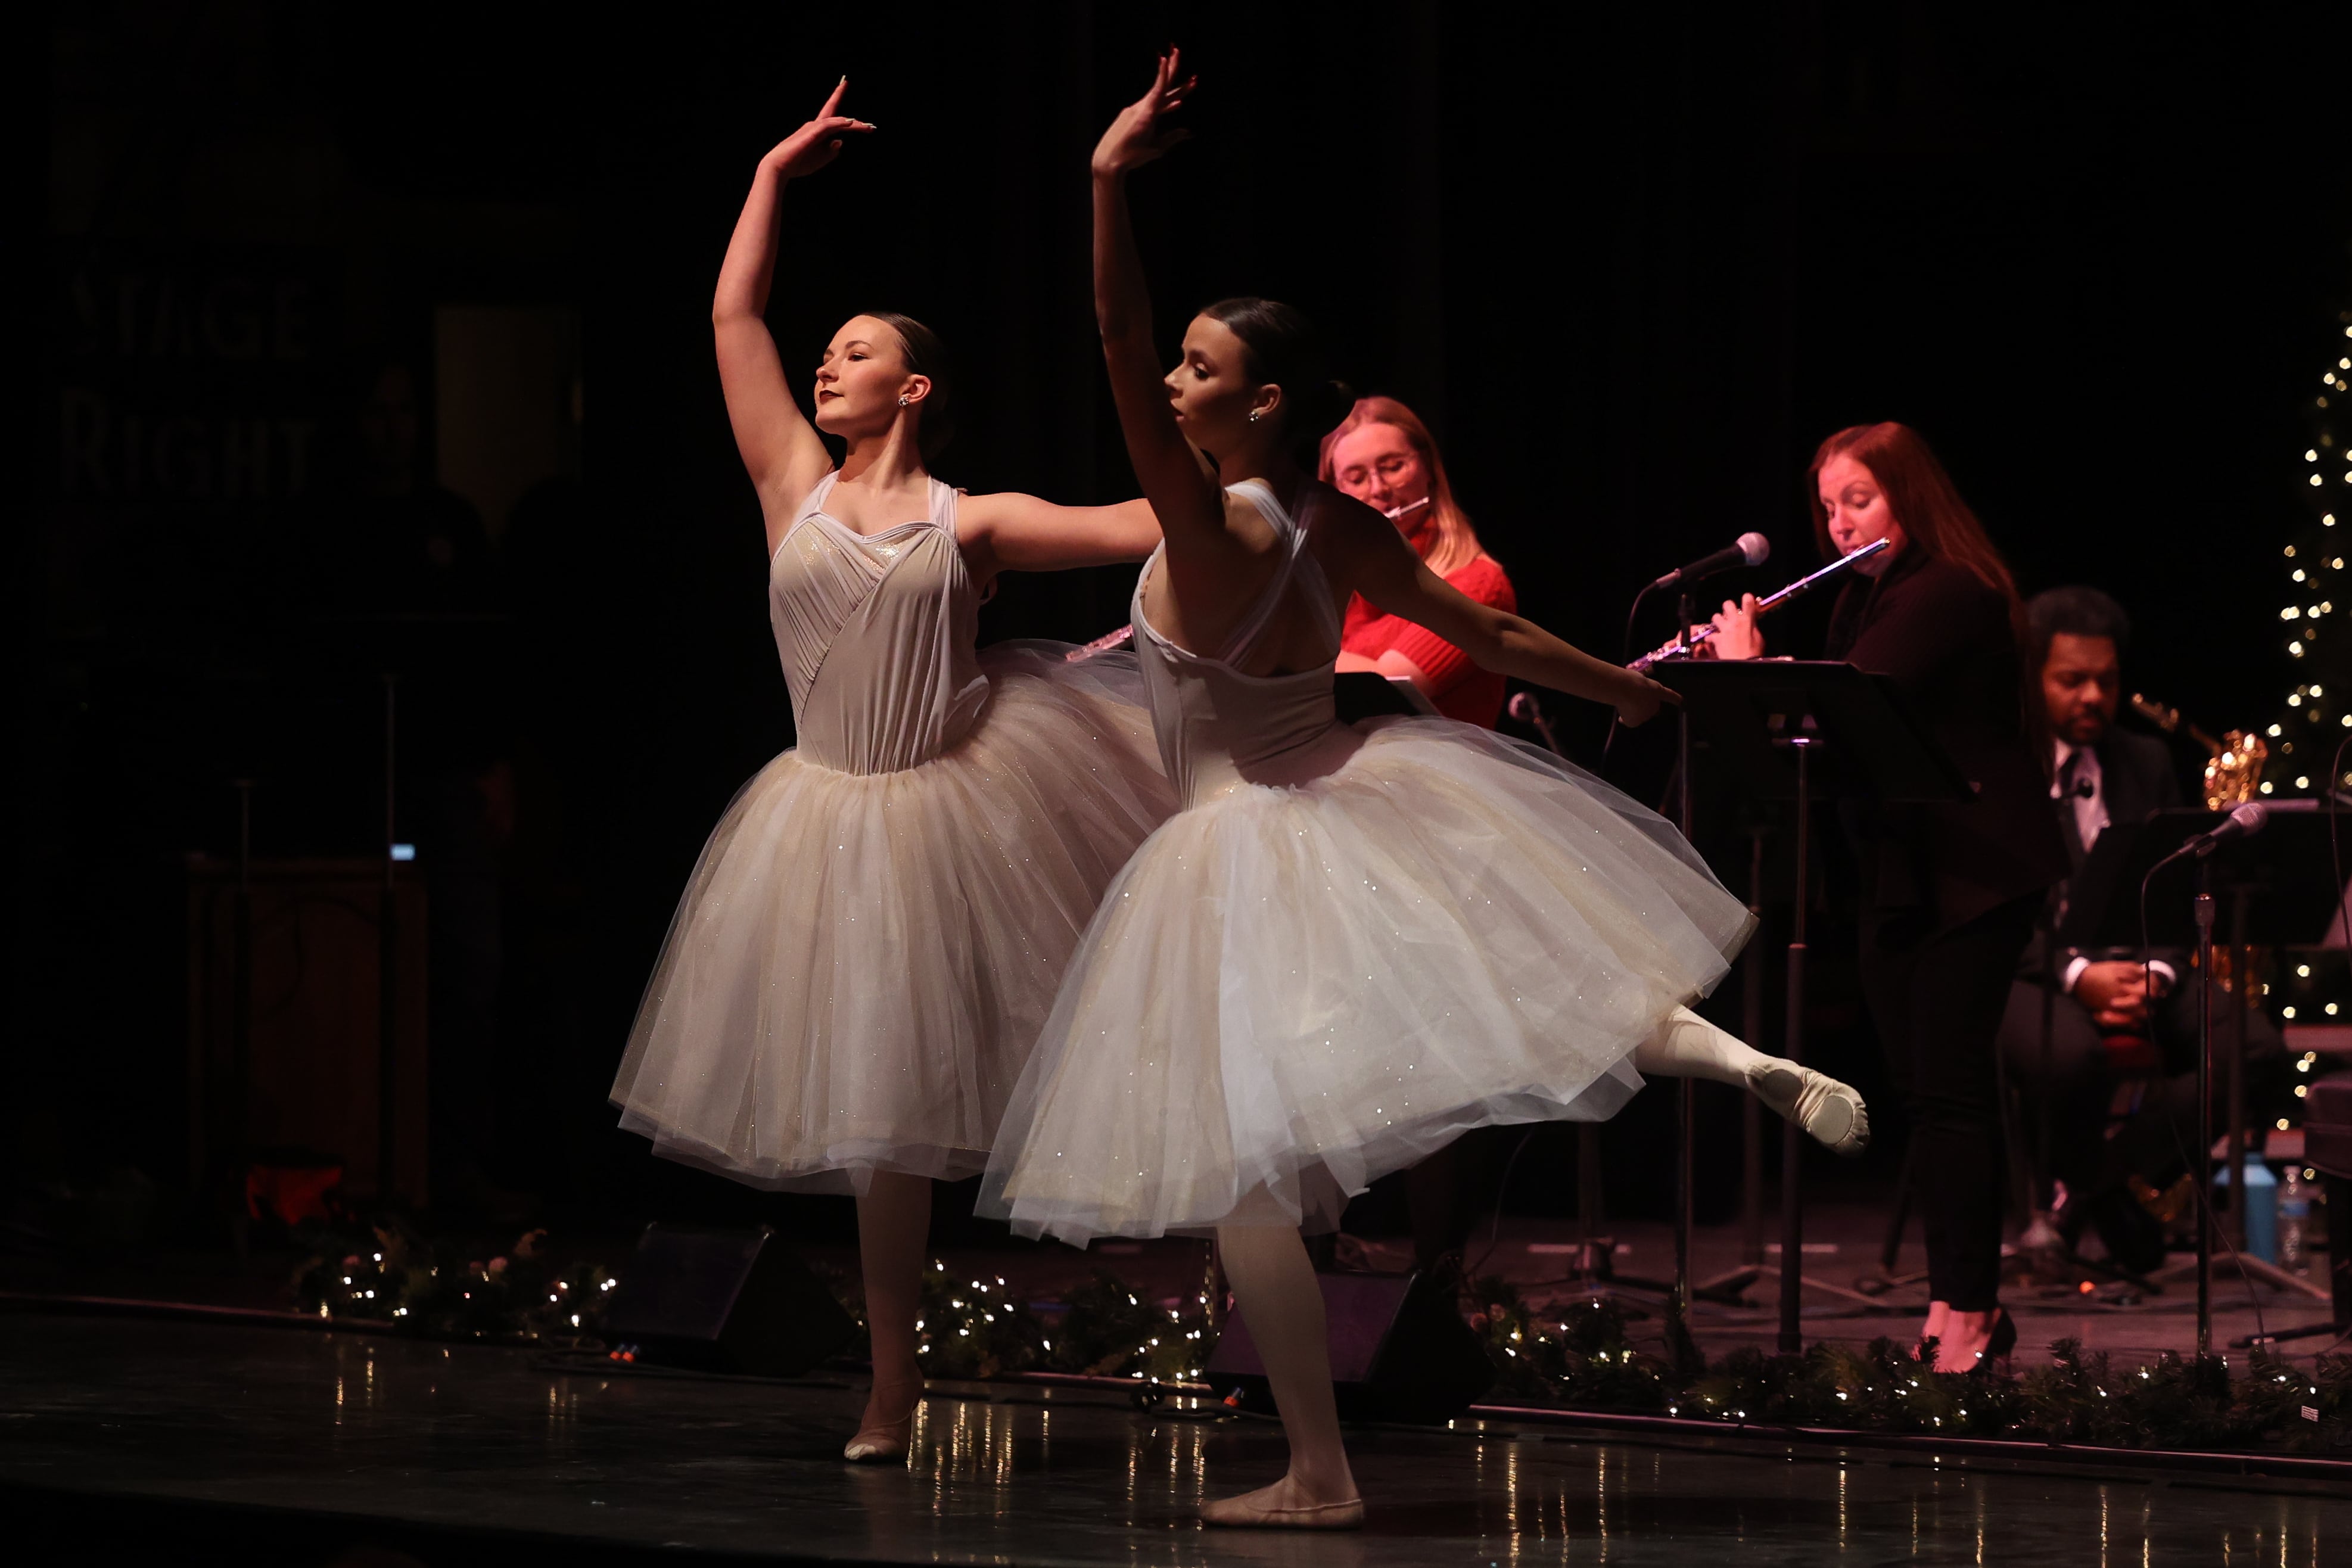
x: 325, y: 1427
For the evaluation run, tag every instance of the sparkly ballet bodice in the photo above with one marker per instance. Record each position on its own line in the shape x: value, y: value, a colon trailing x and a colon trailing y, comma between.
x: 877, y: 636
x: 1218, y: 727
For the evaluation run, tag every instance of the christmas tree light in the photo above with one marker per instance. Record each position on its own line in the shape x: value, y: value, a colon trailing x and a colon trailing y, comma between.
x: 2303, y: 739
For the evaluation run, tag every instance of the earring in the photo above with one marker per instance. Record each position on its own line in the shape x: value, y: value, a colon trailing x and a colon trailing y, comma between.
x: 1253, y: 418
x: 902, y: 402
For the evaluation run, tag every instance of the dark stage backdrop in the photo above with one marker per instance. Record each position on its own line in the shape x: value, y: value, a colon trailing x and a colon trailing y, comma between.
x: 1631, y: 267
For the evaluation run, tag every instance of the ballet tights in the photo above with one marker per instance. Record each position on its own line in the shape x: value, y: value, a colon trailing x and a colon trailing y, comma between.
x: 1687, y: 1046
x: 894, y: 1221
x: 1274, y: 1285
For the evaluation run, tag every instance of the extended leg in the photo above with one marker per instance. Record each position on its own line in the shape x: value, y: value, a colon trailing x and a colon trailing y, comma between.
x: 893, y: 1219
x: 1275, y: 1288
x: 1687, y: 1046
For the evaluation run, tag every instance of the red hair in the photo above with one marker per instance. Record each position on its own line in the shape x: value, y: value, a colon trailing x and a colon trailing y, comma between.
x: 1456, y: 542
x: 1922, y: 498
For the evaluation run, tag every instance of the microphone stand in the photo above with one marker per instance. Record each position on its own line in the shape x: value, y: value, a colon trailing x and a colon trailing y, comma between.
x: 2249, y: 1267
x: 388, y: 1020
x: 1751, y: 1018
x: 2204, y: 917
x: 1682, y: 1348
x: 2040, y: 1198
x: 1728, y: 1287
x: 1595, y: 1263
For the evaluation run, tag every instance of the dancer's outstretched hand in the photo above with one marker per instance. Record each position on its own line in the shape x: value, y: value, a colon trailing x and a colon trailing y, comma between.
x: 816, y: 144
x: 1144, y: 128
x: 1639, y: 703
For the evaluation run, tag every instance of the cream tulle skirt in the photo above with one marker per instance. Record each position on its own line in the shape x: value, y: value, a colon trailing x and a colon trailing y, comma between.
x: 1292, y: 990
x: 861, y: 963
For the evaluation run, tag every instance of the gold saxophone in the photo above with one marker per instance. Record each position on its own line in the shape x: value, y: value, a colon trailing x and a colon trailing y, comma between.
x: 2233, y: 772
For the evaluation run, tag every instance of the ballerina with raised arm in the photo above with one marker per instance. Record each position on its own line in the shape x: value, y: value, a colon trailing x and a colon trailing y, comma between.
x: 1353, y: 942
x: 871, y: 941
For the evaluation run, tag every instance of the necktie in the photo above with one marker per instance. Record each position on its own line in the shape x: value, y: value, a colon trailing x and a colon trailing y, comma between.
x: 2070, y: 787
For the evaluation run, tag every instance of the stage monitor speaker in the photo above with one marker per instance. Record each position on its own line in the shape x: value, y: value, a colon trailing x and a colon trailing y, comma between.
x: 724, y: 1300
x: 1400, y: 1352
x: 2327, y: 1148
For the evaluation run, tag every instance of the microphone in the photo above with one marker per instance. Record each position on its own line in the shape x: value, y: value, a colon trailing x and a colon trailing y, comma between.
x: 2245, y: 823
x: 1679, y: 648
x: 1752, y: 550
x: 1524, y: 707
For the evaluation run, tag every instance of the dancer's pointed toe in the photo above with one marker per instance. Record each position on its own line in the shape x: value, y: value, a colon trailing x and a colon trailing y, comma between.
x: 1829, y: 1111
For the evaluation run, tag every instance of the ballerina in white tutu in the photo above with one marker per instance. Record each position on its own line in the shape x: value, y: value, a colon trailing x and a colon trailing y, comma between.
x: 1354, y: 941
x: 872, y: 938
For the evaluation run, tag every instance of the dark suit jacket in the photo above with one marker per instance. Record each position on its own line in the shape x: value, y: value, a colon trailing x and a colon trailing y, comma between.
x: 2138, y: 777
x: 1947, y: 639
x: 2135, y: 775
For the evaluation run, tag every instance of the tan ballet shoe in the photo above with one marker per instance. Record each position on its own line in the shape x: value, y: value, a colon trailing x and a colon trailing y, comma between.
x: 1828, y: 1110
x: 884, y: 1442
x: 1241, y: 1513
x: 880, y: 1444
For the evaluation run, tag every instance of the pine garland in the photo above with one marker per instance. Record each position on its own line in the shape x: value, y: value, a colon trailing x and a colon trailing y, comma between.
x: 1579, y: 1358
x: 393, y: 1276
x: 1572, y: 1357
x: 978, y: 1329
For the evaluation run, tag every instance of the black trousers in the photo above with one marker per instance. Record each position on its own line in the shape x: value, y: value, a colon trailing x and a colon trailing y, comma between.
x: 2087, y: 1153
x: 2076, y: 1089
x: 1937, y: 997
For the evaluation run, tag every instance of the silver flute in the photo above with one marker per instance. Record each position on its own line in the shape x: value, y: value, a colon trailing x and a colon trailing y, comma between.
x: 1679, y: 648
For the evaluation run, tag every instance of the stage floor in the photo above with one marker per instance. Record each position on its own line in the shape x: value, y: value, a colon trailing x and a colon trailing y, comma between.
x: 295, y: 1445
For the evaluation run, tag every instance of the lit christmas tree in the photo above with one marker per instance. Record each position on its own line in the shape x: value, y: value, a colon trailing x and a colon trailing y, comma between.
x: 2319, y: 709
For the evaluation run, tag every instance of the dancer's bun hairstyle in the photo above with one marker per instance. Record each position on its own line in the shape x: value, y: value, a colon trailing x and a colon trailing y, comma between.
x: 1283, y: 348
x: 926, y: 356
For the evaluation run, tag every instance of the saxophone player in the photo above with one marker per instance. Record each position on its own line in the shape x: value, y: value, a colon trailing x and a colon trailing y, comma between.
x: 2108, y: 1057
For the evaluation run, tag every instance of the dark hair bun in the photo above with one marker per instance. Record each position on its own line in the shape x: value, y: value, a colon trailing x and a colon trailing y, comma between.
x: 1285, y: 348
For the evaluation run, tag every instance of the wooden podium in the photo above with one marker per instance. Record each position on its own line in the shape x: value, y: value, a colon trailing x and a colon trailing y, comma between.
x: 287, y: 1009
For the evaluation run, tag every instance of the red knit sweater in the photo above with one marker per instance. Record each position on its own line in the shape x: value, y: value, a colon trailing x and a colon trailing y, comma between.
x: 1459, y: 688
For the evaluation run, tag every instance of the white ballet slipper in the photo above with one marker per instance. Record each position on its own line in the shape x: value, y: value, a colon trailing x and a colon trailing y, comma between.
x: 1830, y: 1112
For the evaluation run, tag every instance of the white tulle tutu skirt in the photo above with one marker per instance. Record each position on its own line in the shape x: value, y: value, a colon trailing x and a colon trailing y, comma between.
x: 1292, y: 990
x: 861, y: 963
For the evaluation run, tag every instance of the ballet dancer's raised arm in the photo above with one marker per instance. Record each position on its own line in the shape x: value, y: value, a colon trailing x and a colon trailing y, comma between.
x: 1187, y: 497
x: 1385, y: 570
x: 779, y: 445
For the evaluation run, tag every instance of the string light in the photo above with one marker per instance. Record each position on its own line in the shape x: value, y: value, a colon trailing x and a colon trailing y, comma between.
x: 2302, y: 618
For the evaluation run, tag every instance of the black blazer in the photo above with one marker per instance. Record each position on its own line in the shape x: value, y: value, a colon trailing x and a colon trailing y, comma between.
x: 2137, y: 778
x: 1945, y: 638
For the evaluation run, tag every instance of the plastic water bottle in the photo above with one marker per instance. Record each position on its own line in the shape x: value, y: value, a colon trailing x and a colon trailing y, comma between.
x: 2294, y: 1215
x: 2261, y: 1213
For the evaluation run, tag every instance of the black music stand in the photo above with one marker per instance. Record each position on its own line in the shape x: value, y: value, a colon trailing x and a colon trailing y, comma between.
x: 1803, y: 730
x: 2277, y: 894
x: 2276, y: 887
x: 1368, y: 694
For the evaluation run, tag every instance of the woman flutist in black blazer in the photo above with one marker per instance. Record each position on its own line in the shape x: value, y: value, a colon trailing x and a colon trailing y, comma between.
x: 1949, y: 891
